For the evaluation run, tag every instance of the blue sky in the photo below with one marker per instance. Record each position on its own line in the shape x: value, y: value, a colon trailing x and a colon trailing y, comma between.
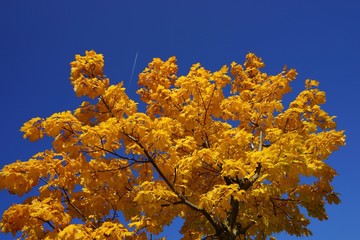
x: 321, y: 39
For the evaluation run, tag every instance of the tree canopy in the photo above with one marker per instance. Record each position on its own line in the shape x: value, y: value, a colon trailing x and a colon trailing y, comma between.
x: 217, y: 149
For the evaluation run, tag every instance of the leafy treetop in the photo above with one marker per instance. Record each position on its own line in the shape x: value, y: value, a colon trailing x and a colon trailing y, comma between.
x: 217, y: 149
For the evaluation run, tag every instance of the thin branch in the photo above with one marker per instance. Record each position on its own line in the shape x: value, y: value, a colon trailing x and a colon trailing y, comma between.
x: 285, y: 199
x: 107, y: 106
x: 171, y: 203
x: 174, y: 176
x: 210, y: 167
x: 171, y: 186
x: 261, y: 141
x: 207, y: 142
x: 110, y: 152
x: 115, y: 169
x: 46, y: 221
x: 68, y: 200
x: 208, y: 106
x: 282, y: 210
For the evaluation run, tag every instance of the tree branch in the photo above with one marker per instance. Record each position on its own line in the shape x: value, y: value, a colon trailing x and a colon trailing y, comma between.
x: 183, y: 199
x: 46, y: 221
x: 261, y: 141
x: 68, y: 200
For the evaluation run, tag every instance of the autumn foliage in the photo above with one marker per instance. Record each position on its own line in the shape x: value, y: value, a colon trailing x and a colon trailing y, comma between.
x: 217, y: 149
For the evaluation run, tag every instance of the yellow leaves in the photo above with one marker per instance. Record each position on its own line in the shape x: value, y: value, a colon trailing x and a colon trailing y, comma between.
x: 180, y: 158
x: 324, y: 143
x: 102, y: 137
x: 240, y: 77
x: 320, y: 97
x: 250, y: 76
x: 310, y: 96
x: 145, y: 197
x: 155, y: 134
x: 332, y: 198
x: 232, y: 108
x: 162, y: 129
x: 38, y: 212
x: 198, y: 91
x: 189, y: 165
x: 112, y: 172
x: 49, y: 210
x: 63, y: 126
x: 157, y: 73
x: 312, y: 201
x: 58, y: 122
x: 259, y: 94
x: 19, y: 177
x: 103, y: 185
x: 151, y: 197
x: 291, y: 74
x: 86, y: 113
x: 153, y: 192
x: 16, y: 181
x: 186, y: 144
x: 108, y: 230
x: 217, y: 199
x: 311, y: 83
x: 15, y: 218
x: 112, y: 231
x: 221, y: 78
x: 253, y: 61
x: 87, y: 75
x: 141, y: 222
x: 76, y: 232
x: 137, y: 222
x: 120, y: 103
x: 33, y: 129
x: 233, y: 168
x: 234, y: 139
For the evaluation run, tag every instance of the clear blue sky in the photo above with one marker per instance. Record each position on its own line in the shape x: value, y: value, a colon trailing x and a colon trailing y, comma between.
x: 321, y: 39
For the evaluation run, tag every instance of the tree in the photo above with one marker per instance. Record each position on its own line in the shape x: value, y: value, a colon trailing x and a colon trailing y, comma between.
x: 215, y: 149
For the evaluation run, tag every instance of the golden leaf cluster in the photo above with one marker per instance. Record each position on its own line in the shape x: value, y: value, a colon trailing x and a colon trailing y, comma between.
x: 217, y: 149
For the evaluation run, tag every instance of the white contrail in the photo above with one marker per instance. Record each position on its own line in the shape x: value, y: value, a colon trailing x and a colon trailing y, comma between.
x: 133, y: 68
